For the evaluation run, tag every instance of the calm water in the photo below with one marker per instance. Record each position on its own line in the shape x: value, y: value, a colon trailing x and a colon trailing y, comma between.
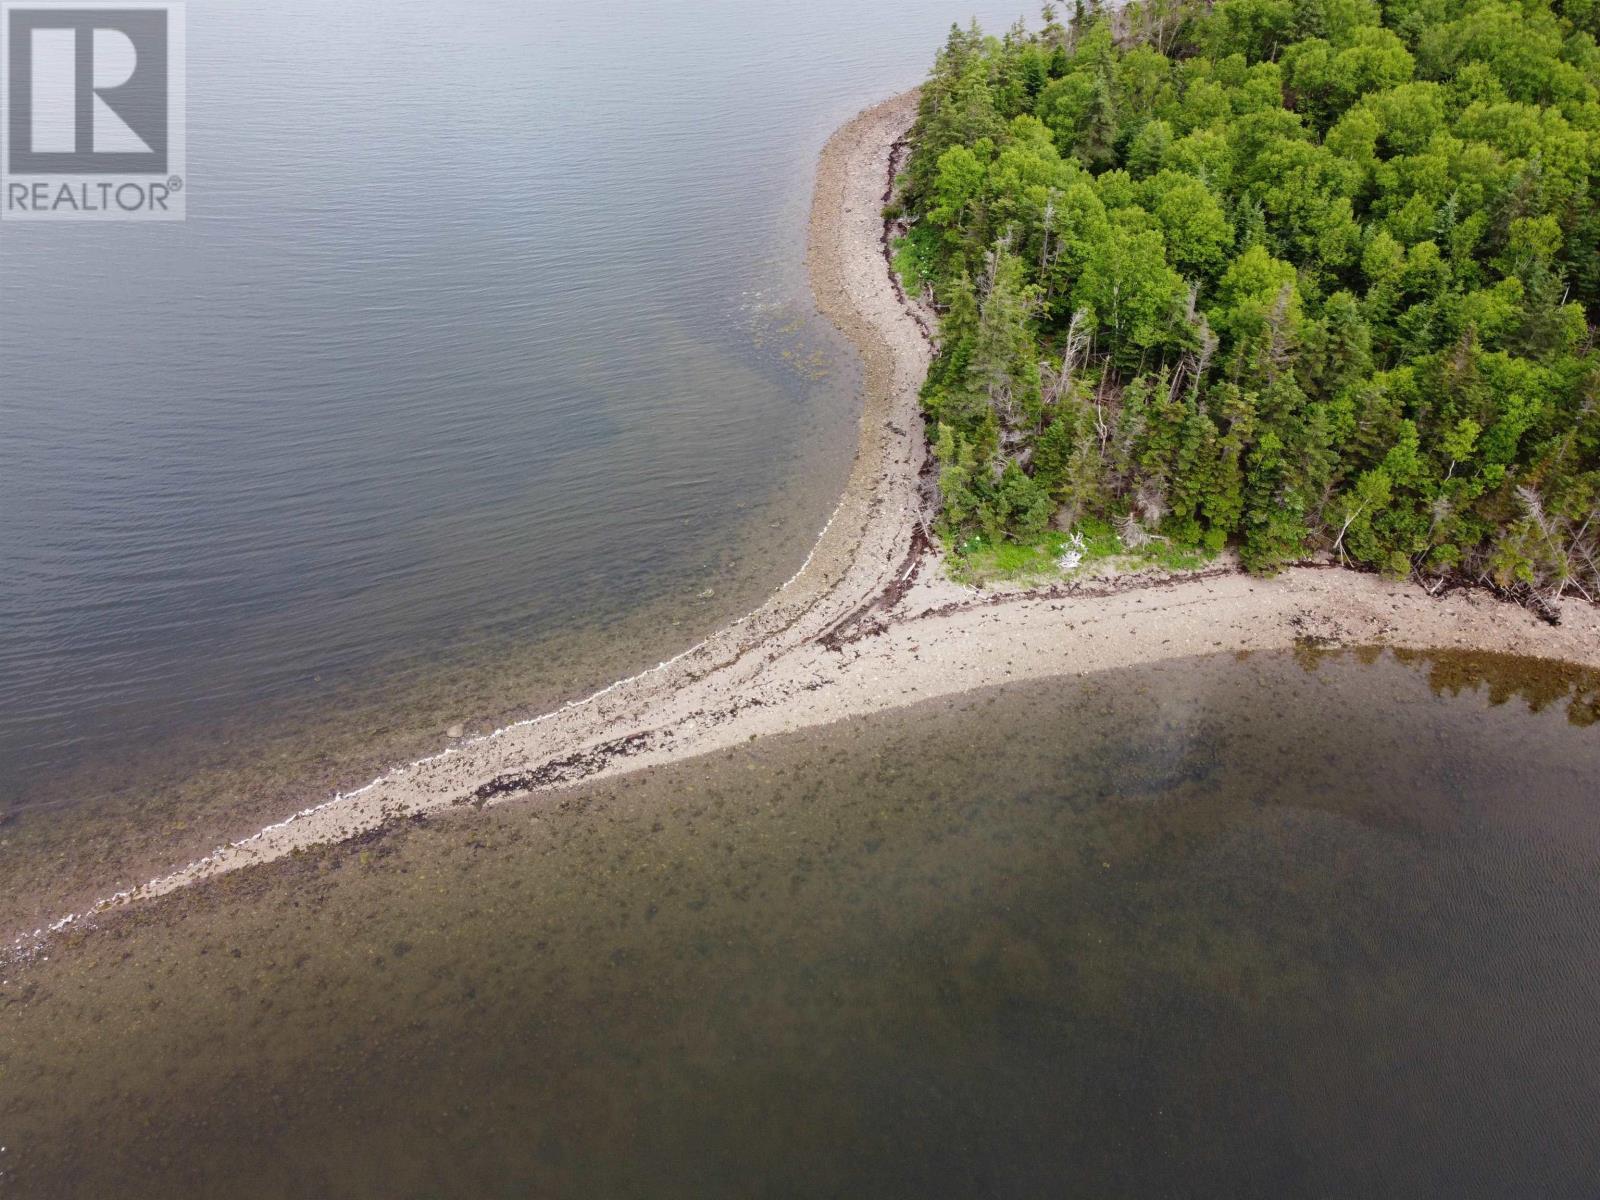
x: 488, y: 327
x: 1272, y: 927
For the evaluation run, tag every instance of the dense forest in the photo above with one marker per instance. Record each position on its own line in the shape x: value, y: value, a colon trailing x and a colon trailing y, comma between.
x: 1298, y: 276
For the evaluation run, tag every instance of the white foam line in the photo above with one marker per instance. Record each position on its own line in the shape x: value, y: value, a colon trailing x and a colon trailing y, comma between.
x: 26, y: 945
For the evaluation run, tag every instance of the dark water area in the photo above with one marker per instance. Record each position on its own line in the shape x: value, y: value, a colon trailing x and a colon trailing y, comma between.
x: 1286, y: 925
x: 485, y: 353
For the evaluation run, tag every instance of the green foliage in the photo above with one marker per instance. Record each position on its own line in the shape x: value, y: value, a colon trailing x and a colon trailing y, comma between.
x: 915, y: 259
x: 1300, y: 275
x: 1037, y: 558
x: 1129, y: 288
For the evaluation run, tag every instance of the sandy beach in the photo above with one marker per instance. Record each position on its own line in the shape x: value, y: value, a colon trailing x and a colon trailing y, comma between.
x: 871, y: 621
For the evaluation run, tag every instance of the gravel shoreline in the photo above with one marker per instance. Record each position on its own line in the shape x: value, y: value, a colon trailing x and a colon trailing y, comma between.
x: 870, y: 621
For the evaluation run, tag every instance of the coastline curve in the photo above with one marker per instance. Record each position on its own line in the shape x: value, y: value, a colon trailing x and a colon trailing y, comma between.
x: 867, y: 623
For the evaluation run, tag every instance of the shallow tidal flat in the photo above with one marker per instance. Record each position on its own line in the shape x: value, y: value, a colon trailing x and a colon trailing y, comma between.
x: 406, y: 430
x: 1281, y: 924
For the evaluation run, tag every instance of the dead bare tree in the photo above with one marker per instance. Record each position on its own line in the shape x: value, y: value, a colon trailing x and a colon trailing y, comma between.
x: 1048, y: 224
x: 1570, y: 554
x: 1059, y: 383
x: 1280, y: 344
x: 1338, y: 542
x: 1193, y: 364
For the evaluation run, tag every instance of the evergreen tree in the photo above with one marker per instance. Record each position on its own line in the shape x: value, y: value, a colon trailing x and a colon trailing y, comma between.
x: 1324, y: 276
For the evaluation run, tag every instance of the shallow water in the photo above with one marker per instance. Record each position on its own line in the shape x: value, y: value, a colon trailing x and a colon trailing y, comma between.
x: 1321, y: 924
x: 486, y: 351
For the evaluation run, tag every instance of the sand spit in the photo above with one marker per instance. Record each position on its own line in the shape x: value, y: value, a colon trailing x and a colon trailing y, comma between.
x: 870, y: 621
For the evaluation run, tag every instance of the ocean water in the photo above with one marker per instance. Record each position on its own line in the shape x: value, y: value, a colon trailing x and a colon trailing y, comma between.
x: 1286, y: 925
x: 485, y: 353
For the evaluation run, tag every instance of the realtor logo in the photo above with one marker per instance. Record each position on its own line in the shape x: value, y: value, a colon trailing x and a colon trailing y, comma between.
x: 94, y: 111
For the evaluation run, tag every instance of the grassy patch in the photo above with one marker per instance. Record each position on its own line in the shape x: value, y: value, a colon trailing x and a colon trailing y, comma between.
x: 914, y: 258
x: 978, y: 560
